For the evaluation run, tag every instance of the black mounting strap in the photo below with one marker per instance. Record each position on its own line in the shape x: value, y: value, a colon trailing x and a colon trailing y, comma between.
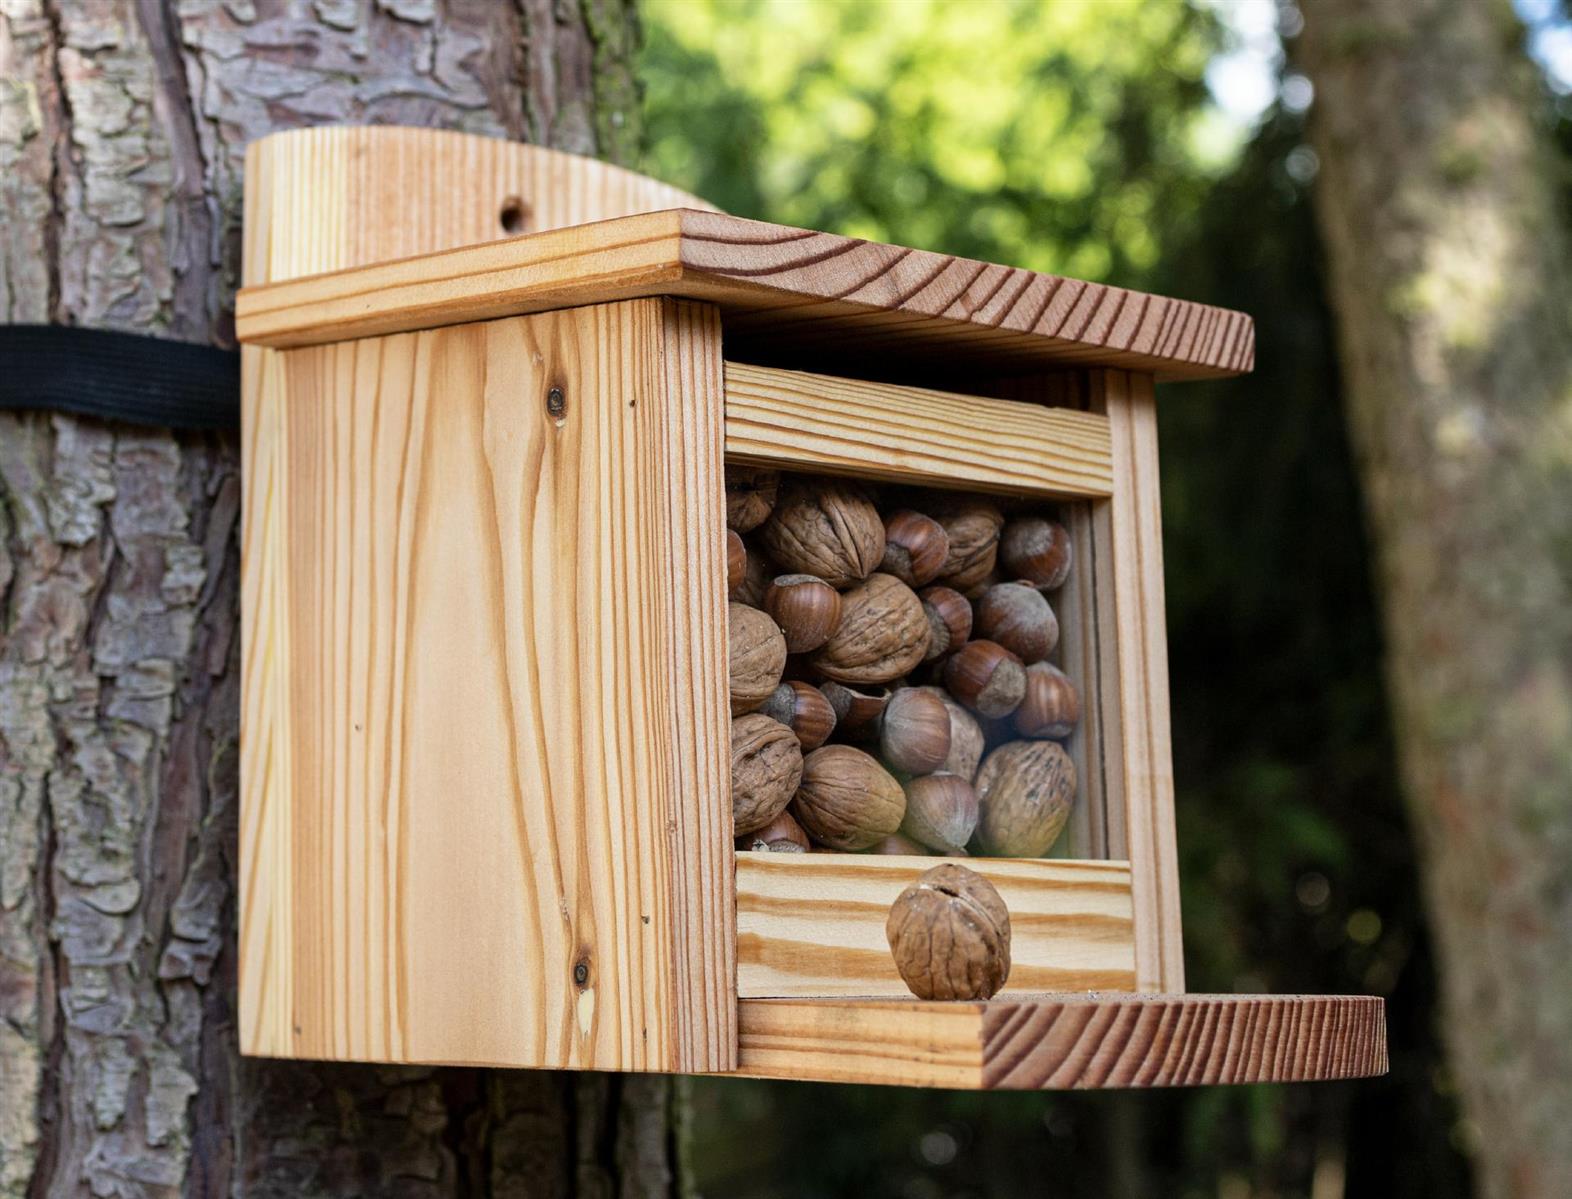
x: 119, y: 376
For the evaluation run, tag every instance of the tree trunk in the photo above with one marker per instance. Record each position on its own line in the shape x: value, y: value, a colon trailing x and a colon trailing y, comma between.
x: 122, y: 127
x: 1440, y: 203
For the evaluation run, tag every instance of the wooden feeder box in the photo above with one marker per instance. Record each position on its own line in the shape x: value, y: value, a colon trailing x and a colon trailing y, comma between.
x: 485, y: 760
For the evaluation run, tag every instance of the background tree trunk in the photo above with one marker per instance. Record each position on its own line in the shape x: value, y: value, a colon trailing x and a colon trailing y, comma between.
x: 1441, y: 204
x: 122, y: 127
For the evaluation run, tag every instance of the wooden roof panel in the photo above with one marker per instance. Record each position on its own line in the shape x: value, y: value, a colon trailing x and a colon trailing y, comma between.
x: 814, y: 291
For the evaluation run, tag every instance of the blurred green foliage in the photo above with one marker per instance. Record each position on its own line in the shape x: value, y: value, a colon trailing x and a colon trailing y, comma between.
x: 1053, y: 133
x: 1080, y: 138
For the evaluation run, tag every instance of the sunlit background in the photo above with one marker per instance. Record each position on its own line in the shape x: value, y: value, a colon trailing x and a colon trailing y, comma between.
x: 1158, y: 145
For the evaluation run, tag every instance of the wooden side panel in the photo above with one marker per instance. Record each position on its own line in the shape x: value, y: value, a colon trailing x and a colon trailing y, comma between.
x: 1066, y: 1042
x: 804, y: 421
x: 266, y: 859
x: 1141, y: 741
x: 328, y: 199
x: 335, y: 197
x: 813, y: 924
x: 507, y: 835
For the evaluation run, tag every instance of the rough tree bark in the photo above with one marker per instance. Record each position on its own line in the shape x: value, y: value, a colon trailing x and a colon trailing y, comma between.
x: 122, y: 126
x: 1442, y: 207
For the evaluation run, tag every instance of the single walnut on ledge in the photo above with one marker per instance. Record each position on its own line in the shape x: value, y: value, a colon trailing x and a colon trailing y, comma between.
x: 950, y: 934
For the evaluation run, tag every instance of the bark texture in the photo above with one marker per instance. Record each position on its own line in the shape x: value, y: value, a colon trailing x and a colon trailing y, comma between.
x: 122, y: 130
x: 1442, y: 207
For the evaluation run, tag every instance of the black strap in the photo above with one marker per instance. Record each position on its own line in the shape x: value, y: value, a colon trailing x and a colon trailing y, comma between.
x: 119, y: 376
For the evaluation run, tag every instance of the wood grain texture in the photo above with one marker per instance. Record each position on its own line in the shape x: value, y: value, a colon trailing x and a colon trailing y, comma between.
x: 328, y: 199
x: 264, y: 929
x: 1065, y: 1042
x: 813, y: 924
x: 504, y: 831
x: 805, y: 421
x: 333, y: 198
x: 809, y: 293
x: 1131, y: 549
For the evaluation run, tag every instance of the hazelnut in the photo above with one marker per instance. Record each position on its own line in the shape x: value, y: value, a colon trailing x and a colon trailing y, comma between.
x: 827, y: 528
x: 947, y: 610
x: 980, y: 588
x: 857, y: 712
x: 1024, y: 793
x: 781, y: 835
x: 803, y: 709
x: 914, y: 732
x: 766, y: 767
x: 986, y: 677
x: 1052, y: 706
x: 736, y: 562
x: 972, y: 526
x: 950, y: 935
x: 750, y: 496
x: 846, y: 799
x: 757, y: 657
x: 883, y: 634
x: 758, y: 571
x: 899, y: 845
x: 807, y: 609
x: 916, y: 547
x: 941, y: 812
x: 1018, y: 617
x: 1037, y: 550
x: 966, y: 737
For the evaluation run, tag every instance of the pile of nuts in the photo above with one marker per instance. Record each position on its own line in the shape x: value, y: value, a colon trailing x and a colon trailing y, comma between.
x: 890, y: 683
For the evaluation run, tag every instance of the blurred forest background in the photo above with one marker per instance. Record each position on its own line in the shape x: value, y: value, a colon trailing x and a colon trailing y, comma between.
x: 1162, y: 146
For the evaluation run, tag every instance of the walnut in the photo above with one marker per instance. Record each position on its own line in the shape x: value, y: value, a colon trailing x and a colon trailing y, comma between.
x: 827, y: 528
x: 766, y: 767
x: 1024, y: 793
x: 883, y: 634
x: 757, y: 657
x: 950, y: 935
x: 846, y: 799
x: 750, y: 496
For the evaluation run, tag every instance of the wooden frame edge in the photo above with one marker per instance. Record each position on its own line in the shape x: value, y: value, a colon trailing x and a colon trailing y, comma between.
x: 1144, y: 747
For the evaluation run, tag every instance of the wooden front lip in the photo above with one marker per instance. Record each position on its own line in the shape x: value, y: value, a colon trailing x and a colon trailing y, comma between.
x: 812, y: 925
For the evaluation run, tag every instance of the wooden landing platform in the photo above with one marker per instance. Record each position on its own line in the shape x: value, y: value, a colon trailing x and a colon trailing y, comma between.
x: 1083, y: 1041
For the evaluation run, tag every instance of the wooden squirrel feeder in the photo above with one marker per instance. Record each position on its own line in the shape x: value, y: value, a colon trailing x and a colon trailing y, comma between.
x: 485, y: 805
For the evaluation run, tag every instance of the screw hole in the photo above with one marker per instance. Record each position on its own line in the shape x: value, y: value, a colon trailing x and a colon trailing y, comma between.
x: 514, y: 215
x: 581, y: 973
